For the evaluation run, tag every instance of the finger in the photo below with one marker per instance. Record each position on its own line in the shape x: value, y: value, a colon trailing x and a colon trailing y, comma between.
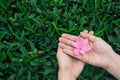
x: 92, y: 38
x: 84, y: 58
x: 85, y: 31
x: 59, y: 51
x: 71, y: 53
x: 91, y: 32
x: 59, y: 48
x: 64, y: 46
x: 65, y: 41
x: 70, y: 37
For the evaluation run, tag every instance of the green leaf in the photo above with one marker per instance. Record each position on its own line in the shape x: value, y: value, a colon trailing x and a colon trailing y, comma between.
x: 22, y: 49
x: 97, y: 4
x: 3, y: 19
x: 3, y: 33
x: 99, y: 75
x: 29, y: 75
x: 55, y: 27
x: 2, y: 5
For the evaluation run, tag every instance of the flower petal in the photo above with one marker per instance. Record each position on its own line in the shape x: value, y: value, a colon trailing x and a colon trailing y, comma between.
x: 81, y: 46
x: 82, y: 52
x: 76, y: 45
x: 87, y: 48
x: 76, y: 52
x: 79, y: 40
x: 85, y: 42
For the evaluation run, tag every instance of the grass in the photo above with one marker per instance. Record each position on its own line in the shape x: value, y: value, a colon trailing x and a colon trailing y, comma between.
x: 29, y: 32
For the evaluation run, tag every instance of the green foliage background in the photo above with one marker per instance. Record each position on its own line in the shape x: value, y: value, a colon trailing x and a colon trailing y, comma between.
x: 29, y: 32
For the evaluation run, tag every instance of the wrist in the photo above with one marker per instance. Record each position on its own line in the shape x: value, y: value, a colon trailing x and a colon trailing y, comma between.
x: 65, y: 75
x: 109, y: 60
x: 112, y: 61
x: 114, y: 66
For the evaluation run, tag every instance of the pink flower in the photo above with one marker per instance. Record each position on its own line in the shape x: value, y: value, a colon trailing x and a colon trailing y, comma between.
x: 81, y: 46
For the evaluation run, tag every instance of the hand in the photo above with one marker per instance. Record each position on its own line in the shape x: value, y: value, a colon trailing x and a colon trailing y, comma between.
x: 69, y: 67
x: 100, y: 55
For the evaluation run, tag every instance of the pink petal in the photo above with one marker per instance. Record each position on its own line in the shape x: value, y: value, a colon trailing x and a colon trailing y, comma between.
x: 76, y: 52
x: 82, y: 52
x: 76, y: 45
x: 79, y: 39
x: 81, y: 43
x: 87, y: 48
x: 85, y: 42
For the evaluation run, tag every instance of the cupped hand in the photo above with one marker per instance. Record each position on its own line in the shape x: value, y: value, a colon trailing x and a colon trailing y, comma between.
x: 69, y: 65
x: 100, y: 55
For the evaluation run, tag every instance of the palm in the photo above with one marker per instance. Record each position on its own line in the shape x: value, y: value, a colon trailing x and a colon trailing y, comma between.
x: 97, y: 55
x: 68, y: 63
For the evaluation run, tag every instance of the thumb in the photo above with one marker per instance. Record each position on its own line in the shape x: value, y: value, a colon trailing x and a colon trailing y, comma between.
x: 90, y: 37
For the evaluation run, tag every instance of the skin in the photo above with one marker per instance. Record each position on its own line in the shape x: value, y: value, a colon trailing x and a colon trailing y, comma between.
x: 101, y: 55
x: 69, y: 67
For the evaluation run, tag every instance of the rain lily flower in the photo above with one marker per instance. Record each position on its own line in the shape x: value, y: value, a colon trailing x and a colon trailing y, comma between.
x: 81, y: 46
